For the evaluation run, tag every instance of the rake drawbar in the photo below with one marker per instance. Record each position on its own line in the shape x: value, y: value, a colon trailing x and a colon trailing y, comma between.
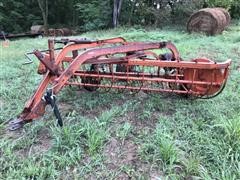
x: 114, y: 63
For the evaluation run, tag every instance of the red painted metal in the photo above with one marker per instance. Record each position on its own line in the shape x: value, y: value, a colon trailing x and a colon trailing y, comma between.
x: 115, y: 63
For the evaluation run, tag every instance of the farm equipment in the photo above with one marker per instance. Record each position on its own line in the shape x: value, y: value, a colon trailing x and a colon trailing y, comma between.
x: 19, y: 35
x: 37, y: 31
x: 102, y: 65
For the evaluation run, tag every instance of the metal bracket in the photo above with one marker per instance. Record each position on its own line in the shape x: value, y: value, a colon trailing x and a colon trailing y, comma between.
x: 50, y: 98
x: 15, y: 124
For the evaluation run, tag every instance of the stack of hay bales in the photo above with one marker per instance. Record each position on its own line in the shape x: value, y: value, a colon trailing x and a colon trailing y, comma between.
x: 67, y: 32
x: 210, y: 21
x: 51, y: 31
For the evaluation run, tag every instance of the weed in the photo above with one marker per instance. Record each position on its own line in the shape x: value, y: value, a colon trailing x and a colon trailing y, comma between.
x: 192, y: 165
x: 94, y: 138
x: 231, y: 128
x: 124, y: 130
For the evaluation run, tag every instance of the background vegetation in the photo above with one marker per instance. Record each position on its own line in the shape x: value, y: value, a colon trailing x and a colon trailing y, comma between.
x: 85, y: 15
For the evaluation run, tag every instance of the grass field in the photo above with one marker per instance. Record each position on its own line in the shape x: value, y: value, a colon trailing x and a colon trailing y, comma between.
x: 124, y: 136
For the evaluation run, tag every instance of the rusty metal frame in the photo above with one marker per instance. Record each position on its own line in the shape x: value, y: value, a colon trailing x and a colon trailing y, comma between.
x: 100, y: 52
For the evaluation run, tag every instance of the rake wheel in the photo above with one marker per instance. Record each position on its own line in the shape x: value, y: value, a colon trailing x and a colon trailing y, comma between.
x: 91, y: 80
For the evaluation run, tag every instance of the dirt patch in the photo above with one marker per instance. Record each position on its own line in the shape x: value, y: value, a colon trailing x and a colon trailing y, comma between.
x: 155, y: 175
x: 42, y: 145
x: 65, y: 107
x: 138, y: 121
x: 97, y: 108
x: 22, y: 153
x: 14, y: 135
x: 118, y: 155
x: 125, y: 154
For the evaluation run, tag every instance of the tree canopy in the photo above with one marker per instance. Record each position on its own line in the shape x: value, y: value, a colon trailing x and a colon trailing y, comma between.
x: 85, y: 15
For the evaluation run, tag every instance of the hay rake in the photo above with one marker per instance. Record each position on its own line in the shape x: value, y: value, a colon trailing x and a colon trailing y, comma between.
x: 116, y: 64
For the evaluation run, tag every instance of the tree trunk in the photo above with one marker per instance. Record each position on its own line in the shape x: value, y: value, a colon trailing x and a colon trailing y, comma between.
x: 115, y: 13
x: 172, y: 6
x: 117, y: 5
x: 43, y: 5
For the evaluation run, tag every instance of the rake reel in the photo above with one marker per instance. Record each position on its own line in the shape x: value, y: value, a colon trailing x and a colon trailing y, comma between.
x: 116, y: 64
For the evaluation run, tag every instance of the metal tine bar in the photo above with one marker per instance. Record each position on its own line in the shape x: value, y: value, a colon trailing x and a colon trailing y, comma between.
x: 133, y: 88
x: 111, y: 70
x: 148, y: 79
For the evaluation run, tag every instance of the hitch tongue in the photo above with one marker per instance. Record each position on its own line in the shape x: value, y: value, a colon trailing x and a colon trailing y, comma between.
x: 47, y: 63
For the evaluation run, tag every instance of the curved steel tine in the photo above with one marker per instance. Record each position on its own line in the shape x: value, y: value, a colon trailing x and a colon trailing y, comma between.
x: 29, y: 59
x: 107, y: 89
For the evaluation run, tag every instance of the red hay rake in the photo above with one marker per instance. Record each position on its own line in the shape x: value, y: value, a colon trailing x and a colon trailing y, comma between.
x: 115, y: 63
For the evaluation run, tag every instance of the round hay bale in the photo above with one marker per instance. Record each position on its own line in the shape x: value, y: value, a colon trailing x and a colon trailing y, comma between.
x: 226, y: 13
x: 51, y: 32
x: 67, y: 31
x: 55, y: 32
x: 59, y: 32
x: 209, y: 20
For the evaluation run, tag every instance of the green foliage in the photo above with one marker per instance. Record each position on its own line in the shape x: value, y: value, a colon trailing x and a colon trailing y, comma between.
x: 17, y: 16
x: 220, y: 3
x: 182, y: 10
x: 83, y: 15
x: 232, y: 5
x: 157, y: 13
x: 94, y: 14
x: 235, y: 9
x: 231, y: 131
x: 192, y: 165
x: 124, y: 130
x: 166, y: 147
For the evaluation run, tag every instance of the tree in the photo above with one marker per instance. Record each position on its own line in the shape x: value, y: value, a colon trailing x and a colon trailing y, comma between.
x: 43, y: 5
x: 94, y: 14
x: 117, y: 4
